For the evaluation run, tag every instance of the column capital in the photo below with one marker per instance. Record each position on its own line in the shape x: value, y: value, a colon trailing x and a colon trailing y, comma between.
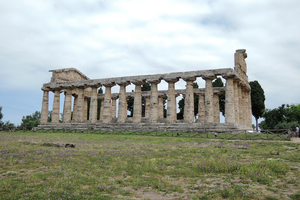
x: 109, y: 84
x: 123, y: 83
x: 171, y: 80
x: 189, y: 78
x: 229, y: 76
x: 208, y: 77
x: 45, y: 89
x: 138, y: 82
x: 154, y: 81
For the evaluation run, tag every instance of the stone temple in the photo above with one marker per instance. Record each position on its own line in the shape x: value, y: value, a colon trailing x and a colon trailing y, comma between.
x: 78, y: 88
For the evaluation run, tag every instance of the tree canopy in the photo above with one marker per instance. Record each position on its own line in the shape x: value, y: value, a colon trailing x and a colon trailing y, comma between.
x: 284, y: 117
x: 31, y: 120
x: 1, y: 116
x: 257, y: 100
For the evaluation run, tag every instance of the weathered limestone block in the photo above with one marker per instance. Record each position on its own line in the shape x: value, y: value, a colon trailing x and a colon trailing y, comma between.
x: 67, y: 106
x: 189, y: 101
x: 45, y: 105
x: 55, y: 111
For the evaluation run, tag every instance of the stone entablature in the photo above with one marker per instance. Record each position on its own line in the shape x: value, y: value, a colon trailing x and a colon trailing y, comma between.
x: 73, y: 83
x: 227, y: 72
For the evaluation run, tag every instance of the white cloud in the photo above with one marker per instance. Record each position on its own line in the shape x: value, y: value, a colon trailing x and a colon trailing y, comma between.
x: 118, y: 38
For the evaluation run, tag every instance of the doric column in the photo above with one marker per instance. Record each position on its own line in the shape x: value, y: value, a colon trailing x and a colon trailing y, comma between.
x: 101, y: 109
x: 171, y: 105
x: 122, y: 112
x: 147, y: 107
x: 188, y: 115
x: 201, y: 109
x: 55, y: 110
x: 154, y: 102
x: 80, y: 105
x: 113, y: 107
x: 107, y: 104
x: 209, y: 110
x: 85, y: 109
x: 75, y: 107
x: 67, y: 106
x: 45, y: 105
x: 241, y: 103
x: 93, y: 105
x: 216, y: 108
x: 137, y: 103
x: 229, y: 100
x: 160, y: 106
x: 236, y: 101
x: 249, y: 109
x: 244, y: 106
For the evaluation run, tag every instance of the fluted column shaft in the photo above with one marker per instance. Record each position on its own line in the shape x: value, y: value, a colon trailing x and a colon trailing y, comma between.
x: 137, y: 103
x: 171, y: 106
x: 209, y: 110
x: 122, y: 112
x: 160, y: 107
x: 216, y: 108
x: 93, y: 105
x: 236, y: 101
x: 113, y: 107
x: 101, y: 109
x: 189, y: 101
x: 80, y: 105
x: 147, y: 107
x: 45, y: 105
x: 74, y: 118
x: 55, y: 110
x: 241, y: 104
x: 107, y: 104
x: 201, y: 109
x: 154, y: 102
x: 249, y: 109
x: 67, y: 106
x: 85, y: 109
x: 229, y: 101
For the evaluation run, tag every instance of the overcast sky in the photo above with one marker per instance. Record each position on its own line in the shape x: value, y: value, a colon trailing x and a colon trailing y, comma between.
x: 116, y: 38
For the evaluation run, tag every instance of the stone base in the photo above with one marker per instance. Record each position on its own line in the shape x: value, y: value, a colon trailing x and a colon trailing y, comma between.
x: 176, y: 127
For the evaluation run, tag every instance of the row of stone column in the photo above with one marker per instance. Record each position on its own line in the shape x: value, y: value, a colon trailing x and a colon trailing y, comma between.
x: 237, y: 104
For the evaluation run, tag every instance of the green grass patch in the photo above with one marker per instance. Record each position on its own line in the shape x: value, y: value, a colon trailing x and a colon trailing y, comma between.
x: 118, y: 166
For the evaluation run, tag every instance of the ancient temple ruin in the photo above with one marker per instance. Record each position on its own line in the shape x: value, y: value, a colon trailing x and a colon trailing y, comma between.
x: 72, y: 82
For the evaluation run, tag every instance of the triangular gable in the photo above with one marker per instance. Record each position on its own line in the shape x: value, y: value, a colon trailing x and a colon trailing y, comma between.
x: 67, y: 74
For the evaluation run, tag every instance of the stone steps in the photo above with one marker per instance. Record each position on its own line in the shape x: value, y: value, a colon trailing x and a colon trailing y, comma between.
x: 179, y: 127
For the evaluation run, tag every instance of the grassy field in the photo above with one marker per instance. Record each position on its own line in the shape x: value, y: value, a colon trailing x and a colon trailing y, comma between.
x: 144, y: 167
